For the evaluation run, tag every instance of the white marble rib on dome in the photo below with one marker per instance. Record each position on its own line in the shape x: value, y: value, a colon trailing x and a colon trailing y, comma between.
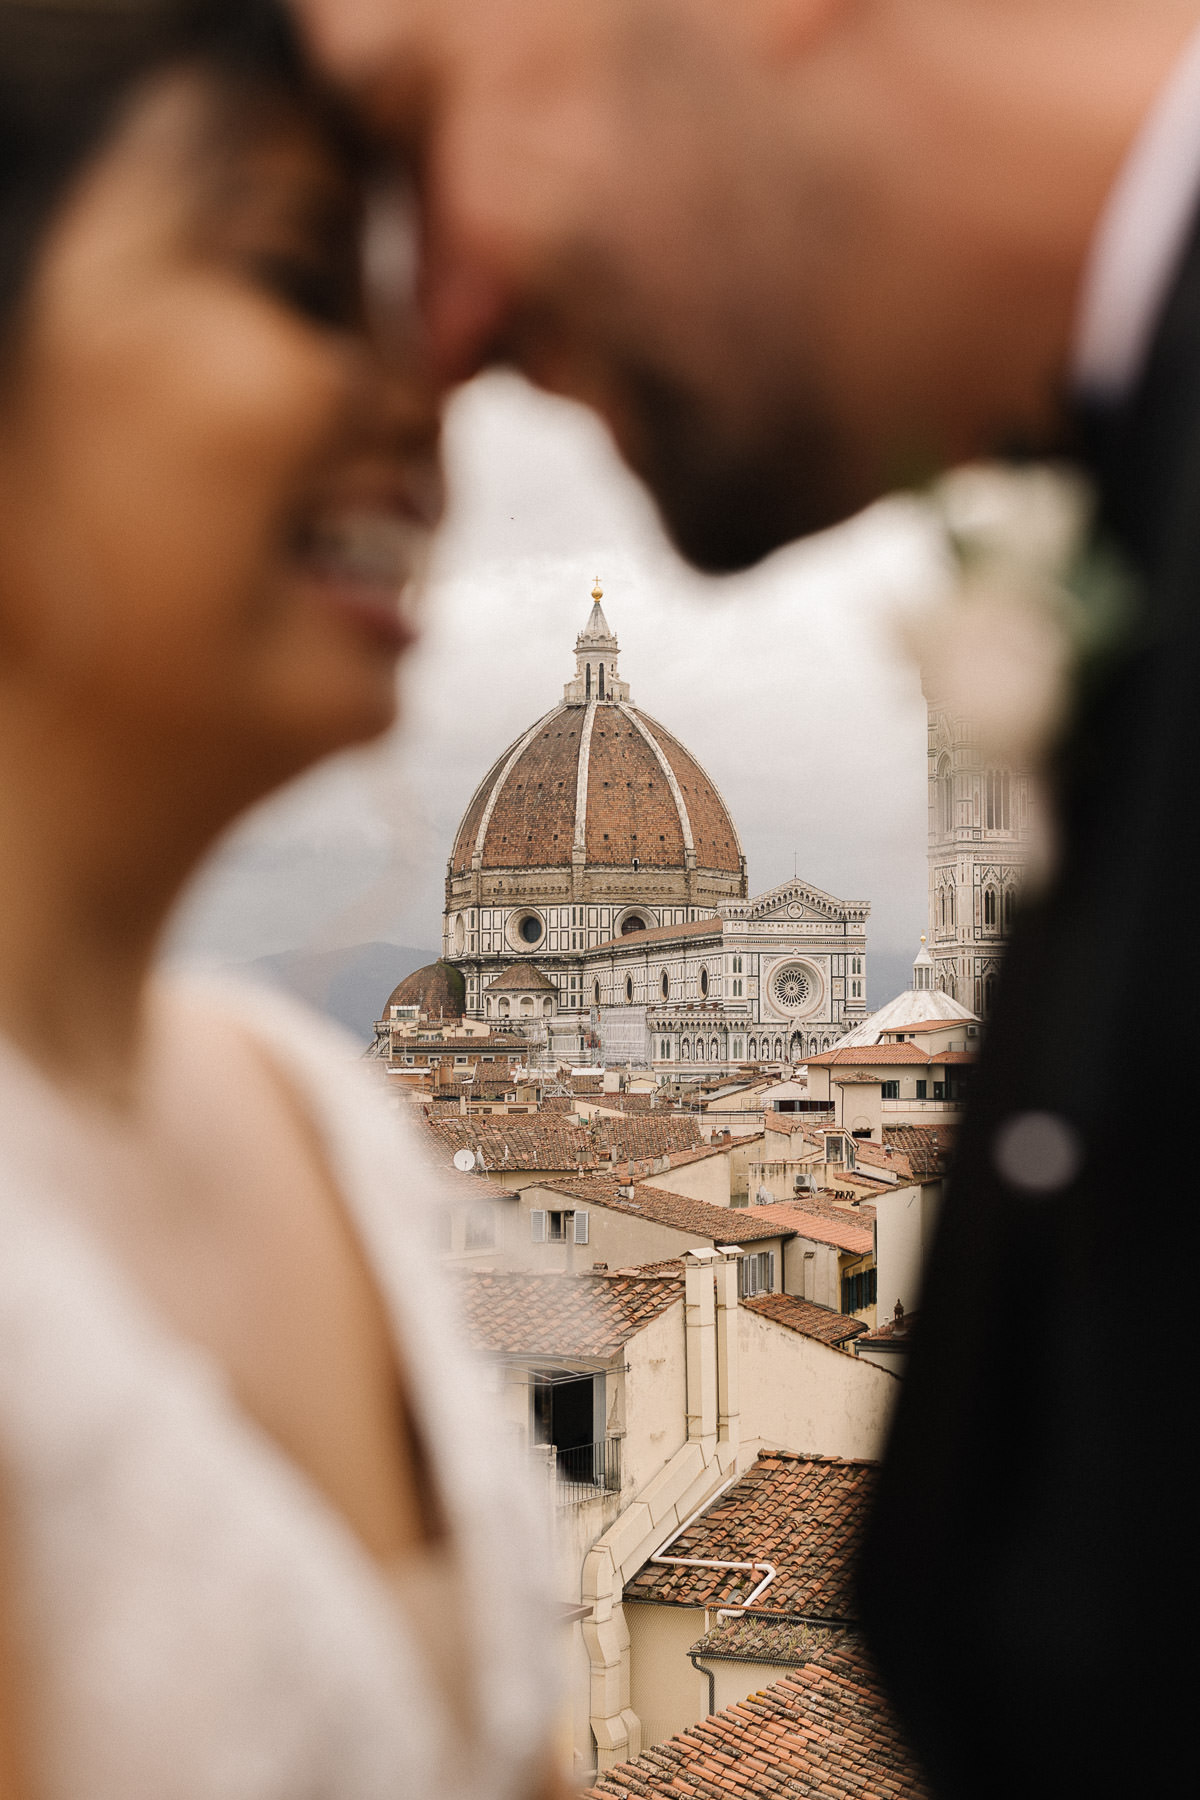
x: 918, y: 1006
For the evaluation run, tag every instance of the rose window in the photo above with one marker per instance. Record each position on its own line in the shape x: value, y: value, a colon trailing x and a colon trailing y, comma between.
x: 792, y: 988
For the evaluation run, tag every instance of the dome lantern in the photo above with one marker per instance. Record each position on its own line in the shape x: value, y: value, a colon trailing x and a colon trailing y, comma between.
x: 596, y: 653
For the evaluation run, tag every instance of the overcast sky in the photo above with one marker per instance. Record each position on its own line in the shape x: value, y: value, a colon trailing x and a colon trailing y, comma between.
x: 785, y: 683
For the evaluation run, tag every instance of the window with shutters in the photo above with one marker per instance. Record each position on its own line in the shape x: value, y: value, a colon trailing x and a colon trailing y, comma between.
x: 756, y: 1274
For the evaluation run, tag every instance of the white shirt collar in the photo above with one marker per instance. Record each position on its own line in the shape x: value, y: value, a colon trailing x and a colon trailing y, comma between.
x: 1140, y: 239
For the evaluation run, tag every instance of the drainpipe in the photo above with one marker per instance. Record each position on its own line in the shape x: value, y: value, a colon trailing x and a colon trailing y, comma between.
x: 768, y: 1570
x: 694, y: 1659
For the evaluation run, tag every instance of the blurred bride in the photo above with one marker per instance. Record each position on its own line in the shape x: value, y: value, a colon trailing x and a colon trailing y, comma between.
x: 253, y: 1542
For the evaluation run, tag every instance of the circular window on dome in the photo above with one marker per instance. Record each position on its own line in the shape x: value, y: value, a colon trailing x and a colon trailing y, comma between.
x: 634, y: 922
x: 793, y: 987
x: 525, y: 929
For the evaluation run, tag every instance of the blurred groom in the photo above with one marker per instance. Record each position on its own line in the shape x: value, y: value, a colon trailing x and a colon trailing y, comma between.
x: 797, y: 252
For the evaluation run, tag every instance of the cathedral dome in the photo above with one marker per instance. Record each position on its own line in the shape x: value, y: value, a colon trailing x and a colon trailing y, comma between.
x: 437, y: 990
x: 598, y: 786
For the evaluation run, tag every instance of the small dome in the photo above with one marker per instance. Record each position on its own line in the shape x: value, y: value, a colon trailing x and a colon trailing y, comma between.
x: 438, y: 990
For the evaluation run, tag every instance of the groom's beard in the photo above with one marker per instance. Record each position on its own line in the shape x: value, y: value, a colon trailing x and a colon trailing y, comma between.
x: 728, y: 499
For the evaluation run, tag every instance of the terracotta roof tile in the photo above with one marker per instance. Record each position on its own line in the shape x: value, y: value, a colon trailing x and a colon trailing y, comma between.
x: 927, y: 1148
x: 804, y: 1514
x: 712, y: 1224
x: 658, y: 934
x: 521, y: 1141
x: 521, y: 977
x: 895, y: 1330
x: 806, y: 1317
x: 824, y: 1731
x: 755, y: 1638
x: 824, y: 1223
x: 524, y: 1314
x: 864, y: 1054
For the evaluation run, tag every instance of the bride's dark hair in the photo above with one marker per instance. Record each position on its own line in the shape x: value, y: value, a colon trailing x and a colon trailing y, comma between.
x: 67, y: 67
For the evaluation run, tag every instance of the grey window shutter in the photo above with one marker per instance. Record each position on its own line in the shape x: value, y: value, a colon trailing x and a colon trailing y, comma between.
x: 770, y: 1271
x: 537, y: 1227
x: 581, y: 1228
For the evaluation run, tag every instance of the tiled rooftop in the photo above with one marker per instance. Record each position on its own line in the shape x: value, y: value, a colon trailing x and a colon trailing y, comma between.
x: 824, y: 1732
x: 926, y: 1148
x: 789, y: 1643
x: 715, y: 1224
x: 806, y: 1317
x: 550, y: 1141
x: 517, y: 1140
x: 805, y: 1514
x: 863, y: 1054
x: 895, y: 1331
x: 642, y: 1136
x: 520, y: 1314
x: 823, y: 1223
x: 658, y: 934
x: 521, y: 977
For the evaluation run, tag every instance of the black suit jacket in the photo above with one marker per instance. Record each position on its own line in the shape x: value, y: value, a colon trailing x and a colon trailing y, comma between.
x: 1028, y: 1582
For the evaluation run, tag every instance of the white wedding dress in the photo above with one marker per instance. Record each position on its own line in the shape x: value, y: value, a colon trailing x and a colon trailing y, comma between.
x: 194, y: 1620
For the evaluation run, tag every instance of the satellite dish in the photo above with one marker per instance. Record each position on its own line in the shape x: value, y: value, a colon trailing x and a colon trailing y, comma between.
x: 464, y: 1161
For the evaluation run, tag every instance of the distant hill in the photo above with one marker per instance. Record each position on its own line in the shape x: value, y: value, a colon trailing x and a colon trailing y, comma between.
x: 350, y: 985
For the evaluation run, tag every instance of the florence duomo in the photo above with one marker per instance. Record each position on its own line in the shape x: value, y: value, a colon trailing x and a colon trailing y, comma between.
x: 597, y: 892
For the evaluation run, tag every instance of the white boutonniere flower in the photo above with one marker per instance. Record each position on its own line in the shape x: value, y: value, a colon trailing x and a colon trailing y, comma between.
x: 1000, y: 645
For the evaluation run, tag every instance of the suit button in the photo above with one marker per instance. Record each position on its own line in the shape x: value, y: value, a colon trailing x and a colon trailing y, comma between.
x: 1037, y: 1152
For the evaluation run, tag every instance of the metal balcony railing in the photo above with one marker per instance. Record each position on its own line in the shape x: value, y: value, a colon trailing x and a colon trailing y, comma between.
x: 587, y: 1471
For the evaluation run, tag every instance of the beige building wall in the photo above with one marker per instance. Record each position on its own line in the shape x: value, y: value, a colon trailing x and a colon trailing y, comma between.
x: 741, y: 1155
x: 708, y: 1178
x: 654, y: 1398
x: 736, y: 1681
x: 813, y: 1271
x: 665, y: 1691
x: 904, y: 1225
x: 617, y: 1239
x: 801, y: 1395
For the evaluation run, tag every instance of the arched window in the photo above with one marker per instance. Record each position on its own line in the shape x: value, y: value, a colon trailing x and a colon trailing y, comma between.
x: 629, y: 990
x: 945, y: 797
x: 998, y: 796
x: 595, y: 993
x: 547, y: 1006
x: 989, y: 908
x: 502, y: 1006
x: 602, y: 681
x: 587, y: 682
x: 1010, y: 907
